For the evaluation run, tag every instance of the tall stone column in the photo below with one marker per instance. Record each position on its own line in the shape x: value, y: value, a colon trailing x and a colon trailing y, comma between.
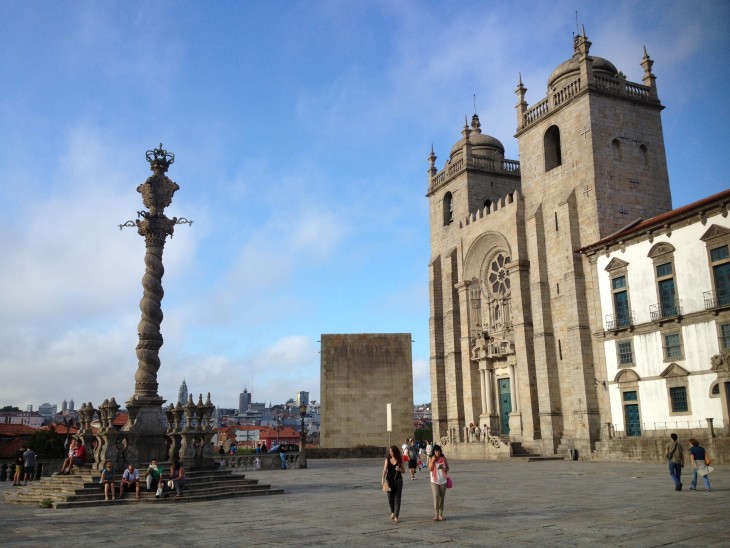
x: 145, y: 426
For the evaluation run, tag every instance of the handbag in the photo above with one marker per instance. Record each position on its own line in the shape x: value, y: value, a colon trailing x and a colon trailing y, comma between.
x: 449, y: 482
x: 386, y: 487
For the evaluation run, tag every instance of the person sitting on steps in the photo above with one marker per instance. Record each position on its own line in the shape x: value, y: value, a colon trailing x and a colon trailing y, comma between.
x: 107, y: 480
x: 130, y: 480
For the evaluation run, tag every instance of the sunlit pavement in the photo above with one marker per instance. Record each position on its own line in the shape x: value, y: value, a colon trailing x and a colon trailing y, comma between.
x: 340, y: 503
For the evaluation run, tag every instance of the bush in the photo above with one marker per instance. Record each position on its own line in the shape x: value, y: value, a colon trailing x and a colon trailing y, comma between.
x: 47, y: 444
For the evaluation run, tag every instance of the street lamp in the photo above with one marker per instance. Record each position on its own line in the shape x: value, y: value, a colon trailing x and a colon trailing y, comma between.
x: 302, y: 437
x: 278, y: 429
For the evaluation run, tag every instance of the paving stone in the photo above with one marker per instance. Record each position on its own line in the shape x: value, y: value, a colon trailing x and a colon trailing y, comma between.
x: 340, y: 503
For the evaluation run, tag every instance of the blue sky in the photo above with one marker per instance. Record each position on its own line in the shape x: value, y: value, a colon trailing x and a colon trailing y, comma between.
x: 301, y: 132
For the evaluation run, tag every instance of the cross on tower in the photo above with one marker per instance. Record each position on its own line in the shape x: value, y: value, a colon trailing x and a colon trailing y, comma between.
x: 623, y: 211
x: 584, y: 133
x: 587, y: 192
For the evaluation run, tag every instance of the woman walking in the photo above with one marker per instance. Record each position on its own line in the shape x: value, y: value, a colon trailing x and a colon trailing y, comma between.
x: 697, y: 460
x: 439, y: 467
x: 393, y: 480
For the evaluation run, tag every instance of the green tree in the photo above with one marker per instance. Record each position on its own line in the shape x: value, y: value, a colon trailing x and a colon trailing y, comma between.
x: 10, y: 408
x: 47, y: 444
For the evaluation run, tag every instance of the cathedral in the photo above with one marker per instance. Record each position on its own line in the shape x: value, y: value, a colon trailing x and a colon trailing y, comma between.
x: 514, y: 304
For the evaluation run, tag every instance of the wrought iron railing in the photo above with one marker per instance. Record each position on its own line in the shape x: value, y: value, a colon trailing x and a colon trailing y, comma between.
x: 619, y: 321
x: 661, y: 311
x: 716, y: 299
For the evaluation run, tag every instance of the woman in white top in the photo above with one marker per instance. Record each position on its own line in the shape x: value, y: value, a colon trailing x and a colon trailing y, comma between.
x: 439, y: 467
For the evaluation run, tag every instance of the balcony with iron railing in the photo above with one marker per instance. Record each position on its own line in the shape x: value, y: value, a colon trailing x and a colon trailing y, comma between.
x: 614, y: 322
x: 664, y: 311
x: 716, y: 299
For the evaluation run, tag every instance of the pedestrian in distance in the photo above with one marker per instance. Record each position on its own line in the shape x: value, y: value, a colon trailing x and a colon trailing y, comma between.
x: 29, y: 458
x: 700, y: 465
x: 19, y: 466
x: 412, y: 459
x: 675, y: 458
x: 392, y: 480
x: 438, y: 466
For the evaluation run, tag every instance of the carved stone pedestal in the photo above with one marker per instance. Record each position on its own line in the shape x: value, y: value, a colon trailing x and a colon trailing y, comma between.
x: 145, y: 430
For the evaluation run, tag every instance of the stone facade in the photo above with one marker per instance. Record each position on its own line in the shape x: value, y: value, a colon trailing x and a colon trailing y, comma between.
x: 512, y: 302
x: 664, y: 296
x: 360, y: 375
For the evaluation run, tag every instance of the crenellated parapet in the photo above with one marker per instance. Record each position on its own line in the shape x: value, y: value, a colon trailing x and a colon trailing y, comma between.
x: 508, y: 203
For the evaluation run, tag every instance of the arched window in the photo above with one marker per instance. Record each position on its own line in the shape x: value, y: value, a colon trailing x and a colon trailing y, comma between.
x: 488, y: 204
x: 448, y: 208
x: 644, y: 155
x: 616, y: 146
x: 553, y: 154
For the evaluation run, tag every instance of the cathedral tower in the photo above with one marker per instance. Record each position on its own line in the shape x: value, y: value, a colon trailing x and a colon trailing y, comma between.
x: 512, y: 304
x: 593, y: 162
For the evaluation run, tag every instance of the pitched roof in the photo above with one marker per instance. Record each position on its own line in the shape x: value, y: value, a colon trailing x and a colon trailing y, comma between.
x: 639, y: 226
x: 8, y: 448
x: 13, y: 430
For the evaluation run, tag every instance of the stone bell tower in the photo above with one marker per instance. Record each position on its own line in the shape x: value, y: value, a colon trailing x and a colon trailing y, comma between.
x: 592, y: 161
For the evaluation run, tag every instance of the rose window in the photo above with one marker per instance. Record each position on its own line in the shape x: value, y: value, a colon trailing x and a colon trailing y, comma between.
x: 497, y: 276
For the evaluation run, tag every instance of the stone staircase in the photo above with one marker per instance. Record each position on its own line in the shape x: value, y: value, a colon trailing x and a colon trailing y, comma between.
x: 519, y: 452
x: 81, y: 489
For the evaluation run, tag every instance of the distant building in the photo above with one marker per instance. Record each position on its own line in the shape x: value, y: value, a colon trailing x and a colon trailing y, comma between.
x: 182, y: 394
x: 71, y: 405
x: 28, y: 418
x: 244, y: 401
x: 47, y: 411
x: 302, y: 398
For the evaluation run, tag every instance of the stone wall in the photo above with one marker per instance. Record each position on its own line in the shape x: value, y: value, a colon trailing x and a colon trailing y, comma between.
x: 652, y: 450
x: 360, y: 375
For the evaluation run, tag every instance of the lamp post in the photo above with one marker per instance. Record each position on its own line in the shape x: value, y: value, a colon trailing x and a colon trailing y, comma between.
x: 302, y: 437
x: 278, y: 429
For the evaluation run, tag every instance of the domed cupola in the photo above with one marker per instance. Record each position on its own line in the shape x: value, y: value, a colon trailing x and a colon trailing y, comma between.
x: 570, y: 69
x: 481, y: 144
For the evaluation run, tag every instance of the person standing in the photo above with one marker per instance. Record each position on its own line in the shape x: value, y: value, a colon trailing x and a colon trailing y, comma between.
x: 19, y: 465
x: 393, y: 478
x: 699, y: 466
x: 438, y: 466
x: 675, y: 457
x: 412, y: 459
x: 29, y: 459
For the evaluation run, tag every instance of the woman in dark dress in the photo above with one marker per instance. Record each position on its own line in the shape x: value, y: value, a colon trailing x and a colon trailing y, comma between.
x: 393, y: 479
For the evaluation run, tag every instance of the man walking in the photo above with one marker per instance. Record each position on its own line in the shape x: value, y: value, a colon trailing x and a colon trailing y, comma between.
x: 675, y: 457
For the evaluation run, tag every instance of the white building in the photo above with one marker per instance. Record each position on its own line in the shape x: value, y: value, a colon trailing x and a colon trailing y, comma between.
x: 664, y: 291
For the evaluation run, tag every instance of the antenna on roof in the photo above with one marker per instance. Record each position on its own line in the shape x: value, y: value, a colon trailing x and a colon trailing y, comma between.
x: 475, y: 103
x: 577, y: 30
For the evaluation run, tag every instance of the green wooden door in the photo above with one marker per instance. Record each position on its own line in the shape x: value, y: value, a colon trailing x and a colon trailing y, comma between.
x: 631, y: 411
x: 505, y: 404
